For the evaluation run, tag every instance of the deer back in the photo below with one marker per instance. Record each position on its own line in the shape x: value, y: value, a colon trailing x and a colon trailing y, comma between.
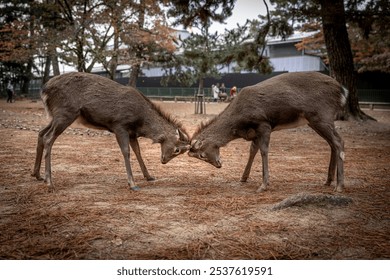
x: 283, y: 101
x: 101, y: 103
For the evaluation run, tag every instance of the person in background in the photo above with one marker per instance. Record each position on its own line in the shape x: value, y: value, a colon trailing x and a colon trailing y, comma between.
x: 10, y: 92
x: 222, y: 89
x: 215, y: 92
x: 222, y: 93
x: 233, y: 92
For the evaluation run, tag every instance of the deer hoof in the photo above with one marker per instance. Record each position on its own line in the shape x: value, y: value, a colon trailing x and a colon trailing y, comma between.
x: 328, y: 182
x: 37, y: 176
x: 135, y: 188
x: 339, y: 189
x: 150, y: 179
x: 261, y: 189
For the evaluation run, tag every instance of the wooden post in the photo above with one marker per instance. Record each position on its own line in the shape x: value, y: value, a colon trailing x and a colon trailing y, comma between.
x: 200, y: 105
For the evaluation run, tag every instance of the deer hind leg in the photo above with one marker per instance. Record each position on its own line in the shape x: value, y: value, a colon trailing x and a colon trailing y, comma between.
x: 58, y: 125
x: 265, y: 134
x: 332, y: 167
x: 329, y: 133
x: 135, y: 146
x: 40, y: 148
x: 252, y: 153
x: 122, y: 137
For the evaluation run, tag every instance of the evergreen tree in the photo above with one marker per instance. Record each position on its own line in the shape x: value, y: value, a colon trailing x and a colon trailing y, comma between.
x: 202, y: 53
x: 200, y: 57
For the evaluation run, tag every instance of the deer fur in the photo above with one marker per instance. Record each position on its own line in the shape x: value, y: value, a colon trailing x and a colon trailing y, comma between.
x: 101, y: 103
x: 285, y: 101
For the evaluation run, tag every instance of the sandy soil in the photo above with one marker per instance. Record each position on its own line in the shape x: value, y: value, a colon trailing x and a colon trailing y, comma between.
x: 192, y: 210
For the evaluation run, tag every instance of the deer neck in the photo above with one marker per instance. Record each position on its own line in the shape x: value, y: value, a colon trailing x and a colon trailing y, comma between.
x: 220, y: 132
x: 155, y: 126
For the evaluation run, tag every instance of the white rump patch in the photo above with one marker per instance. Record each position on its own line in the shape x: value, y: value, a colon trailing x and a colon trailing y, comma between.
x: 44, y: 98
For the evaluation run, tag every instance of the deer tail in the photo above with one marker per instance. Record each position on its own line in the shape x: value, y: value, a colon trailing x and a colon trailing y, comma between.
x: 344, y: 95
x: 44, y: 97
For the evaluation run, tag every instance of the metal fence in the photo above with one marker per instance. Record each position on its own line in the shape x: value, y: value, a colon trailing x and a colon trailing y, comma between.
x: 172, y: 92
x: 364, y: 95
x: 374, y: 95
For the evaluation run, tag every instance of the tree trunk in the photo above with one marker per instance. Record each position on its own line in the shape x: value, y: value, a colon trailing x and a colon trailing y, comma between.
x: 201, y: 85
x: 114, y: 60
x: 46, y: 73
x: 55, y: 64
x: 340, y: 54
x: 27, y: 76
x: 135, y: 69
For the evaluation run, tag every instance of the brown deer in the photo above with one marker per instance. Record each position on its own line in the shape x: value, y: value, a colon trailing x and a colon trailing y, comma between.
x: 285, y: 101
x: 101, y: 103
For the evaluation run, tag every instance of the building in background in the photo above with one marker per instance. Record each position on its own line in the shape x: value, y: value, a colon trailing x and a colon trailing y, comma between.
x: 284, y: 56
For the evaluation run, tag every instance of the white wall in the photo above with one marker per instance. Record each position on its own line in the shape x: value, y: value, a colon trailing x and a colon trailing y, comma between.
x: 297, y: 63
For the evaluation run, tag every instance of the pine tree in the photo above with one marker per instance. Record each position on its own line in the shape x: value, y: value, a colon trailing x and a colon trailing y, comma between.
x: 202, y: 52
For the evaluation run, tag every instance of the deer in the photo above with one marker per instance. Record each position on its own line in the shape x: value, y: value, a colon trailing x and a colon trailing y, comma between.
x: 285, y: 101
x: 100, y: 103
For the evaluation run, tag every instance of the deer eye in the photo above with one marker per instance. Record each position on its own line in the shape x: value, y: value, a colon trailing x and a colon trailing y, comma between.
x: 177, y: 150
x: 202, y: 156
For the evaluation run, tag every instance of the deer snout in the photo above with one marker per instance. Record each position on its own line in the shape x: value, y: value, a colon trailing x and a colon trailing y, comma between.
x: 163, y: 159
x: 166, y: 157
x: 218, y: 163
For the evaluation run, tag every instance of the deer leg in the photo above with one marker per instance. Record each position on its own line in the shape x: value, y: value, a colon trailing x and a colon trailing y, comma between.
x: 329, y: 133
x: 265, y: 134
x: 135, y: 146
x: 340, y: 162
x: 59, y: 124
x: 122, y: 137
x: 40, y: 148
x: 252, y: 153
x: 332, y: 168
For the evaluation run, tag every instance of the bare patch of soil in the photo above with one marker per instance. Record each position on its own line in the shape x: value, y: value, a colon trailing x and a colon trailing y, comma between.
x: 192, y: 210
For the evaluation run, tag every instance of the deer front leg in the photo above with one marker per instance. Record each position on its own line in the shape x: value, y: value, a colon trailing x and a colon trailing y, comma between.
x: 122, y: 137
x: 59, y: 124
x: 135, y: 146
x: 265, y: 134
x: 252, y: 153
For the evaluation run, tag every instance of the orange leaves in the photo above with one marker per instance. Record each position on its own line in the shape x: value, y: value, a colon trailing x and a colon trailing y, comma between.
x: 16, y: 42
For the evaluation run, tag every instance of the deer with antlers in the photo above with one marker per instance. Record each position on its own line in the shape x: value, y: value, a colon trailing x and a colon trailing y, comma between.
x: 285, y: 101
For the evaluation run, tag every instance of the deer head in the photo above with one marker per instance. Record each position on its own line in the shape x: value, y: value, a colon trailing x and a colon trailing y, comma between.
x: 173, y: 145
x: 205, y: 150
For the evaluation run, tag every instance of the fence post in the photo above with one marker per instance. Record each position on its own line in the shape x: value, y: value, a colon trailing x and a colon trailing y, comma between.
x: 200, y: 105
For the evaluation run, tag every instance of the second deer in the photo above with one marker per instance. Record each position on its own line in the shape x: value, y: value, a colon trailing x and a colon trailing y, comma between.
x: 285, y: 101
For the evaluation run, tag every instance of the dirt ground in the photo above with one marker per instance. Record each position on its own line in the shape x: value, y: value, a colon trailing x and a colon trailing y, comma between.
x: 192, y: 210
